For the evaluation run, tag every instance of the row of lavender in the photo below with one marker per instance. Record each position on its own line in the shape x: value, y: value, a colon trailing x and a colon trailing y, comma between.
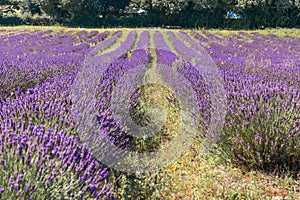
x: 40, y: 146
x: 268, y: 56
x: 262, y: 127
x: 41, y: 154
x: 29, y: 58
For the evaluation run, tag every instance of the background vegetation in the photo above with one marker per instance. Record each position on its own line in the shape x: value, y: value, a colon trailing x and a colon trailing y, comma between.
x: 166, y: 13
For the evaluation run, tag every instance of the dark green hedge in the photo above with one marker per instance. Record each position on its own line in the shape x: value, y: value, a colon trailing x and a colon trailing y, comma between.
x: 254, y: 18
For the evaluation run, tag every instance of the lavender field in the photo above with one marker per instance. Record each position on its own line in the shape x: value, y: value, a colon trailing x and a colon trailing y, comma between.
x: 256, y: 155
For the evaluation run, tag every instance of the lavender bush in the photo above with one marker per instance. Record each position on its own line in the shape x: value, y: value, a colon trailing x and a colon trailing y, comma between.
x: 262, y: 81
x: 41, y: 153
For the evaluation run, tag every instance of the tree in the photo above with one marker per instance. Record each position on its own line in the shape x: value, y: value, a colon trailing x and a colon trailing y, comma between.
x: 55, y: 9
x: 114, y: 7
x: 83, y: 11
x: 272, y: 13
x: 72, y: 11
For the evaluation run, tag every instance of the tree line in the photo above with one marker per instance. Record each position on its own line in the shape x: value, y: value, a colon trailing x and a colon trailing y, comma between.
x: 171, y: 13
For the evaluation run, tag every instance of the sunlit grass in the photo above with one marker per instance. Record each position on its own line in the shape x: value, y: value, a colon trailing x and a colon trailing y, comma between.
x: 198, y: 175
x: 282, y: 32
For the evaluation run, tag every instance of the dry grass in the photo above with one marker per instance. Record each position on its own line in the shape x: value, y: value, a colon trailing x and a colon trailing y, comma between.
x: 198, y: 175
x: 278, y: 31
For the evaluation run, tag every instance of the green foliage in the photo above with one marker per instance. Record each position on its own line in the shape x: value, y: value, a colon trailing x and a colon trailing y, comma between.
x: 77, y: 11
x: 89, y: 10
x: 183, y: 13
x: 276, y: 13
